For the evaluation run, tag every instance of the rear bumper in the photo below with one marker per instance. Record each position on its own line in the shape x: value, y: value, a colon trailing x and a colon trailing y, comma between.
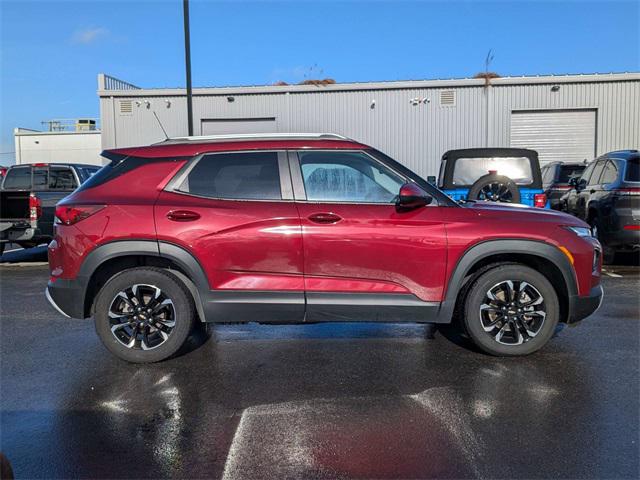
x: 623, y: 239
x: 67, y: 297
x: 581, y: 307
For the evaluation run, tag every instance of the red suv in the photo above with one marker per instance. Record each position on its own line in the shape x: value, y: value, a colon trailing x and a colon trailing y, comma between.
x: 306, y: 228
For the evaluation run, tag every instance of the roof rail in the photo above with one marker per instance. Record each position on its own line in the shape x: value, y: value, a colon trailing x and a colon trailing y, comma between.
x: 254, y: 136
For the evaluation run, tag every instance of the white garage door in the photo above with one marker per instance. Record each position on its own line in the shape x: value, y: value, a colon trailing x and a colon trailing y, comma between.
x: 226, y: 126
x: 566, y: 135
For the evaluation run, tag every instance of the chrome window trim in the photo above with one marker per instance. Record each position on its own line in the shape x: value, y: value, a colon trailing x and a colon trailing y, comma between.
x: 286, y: 191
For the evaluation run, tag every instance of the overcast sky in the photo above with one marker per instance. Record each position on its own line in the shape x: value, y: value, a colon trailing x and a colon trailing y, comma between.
x: 51, y: 51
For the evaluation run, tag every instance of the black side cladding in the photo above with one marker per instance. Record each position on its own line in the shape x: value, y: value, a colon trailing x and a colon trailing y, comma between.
x: 119, y: 165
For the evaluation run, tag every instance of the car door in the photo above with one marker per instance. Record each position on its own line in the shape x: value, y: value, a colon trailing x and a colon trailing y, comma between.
x: 591, y: 187
x: 234, y: 213
x: 574, y: 194
x: 365, y: 259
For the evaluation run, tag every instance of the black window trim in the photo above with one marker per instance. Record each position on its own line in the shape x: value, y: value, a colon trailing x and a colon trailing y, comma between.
x: 299, y: 190
x: 286, y: 188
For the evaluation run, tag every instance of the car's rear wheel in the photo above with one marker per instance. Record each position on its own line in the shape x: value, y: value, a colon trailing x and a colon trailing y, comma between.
x: 511, y: 310
x: 144, y: 315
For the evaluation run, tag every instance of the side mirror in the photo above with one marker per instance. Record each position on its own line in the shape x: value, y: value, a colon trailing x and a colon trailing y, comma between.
x: 573, y: 181
x: 581, y: 185
x: 431, y: 179
x: 412, y: 196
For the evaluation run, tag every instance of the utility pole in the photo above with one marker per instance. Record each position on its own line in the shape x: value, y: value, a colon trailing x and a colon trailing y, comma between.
x: 187, y: 61
x: 487, y: 62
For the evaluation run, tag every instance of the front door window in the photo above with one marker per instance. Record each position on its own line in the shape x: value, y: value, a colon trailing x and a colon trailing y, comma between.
x: 347, y: 177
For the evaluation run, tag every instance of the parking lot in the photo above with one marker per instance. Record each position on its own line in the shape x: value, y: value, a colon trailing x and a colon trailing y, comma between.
x: 317, y: 401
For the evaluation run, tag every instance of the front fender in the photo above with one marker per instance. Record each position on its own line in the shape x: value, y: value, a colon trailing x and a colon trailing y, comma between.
x: 483, y: 250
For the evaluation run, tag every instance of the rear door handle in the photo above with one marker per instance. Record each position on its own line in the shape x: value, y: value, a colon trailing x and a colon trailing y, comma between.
x: 183, y: 215
x: 324, y: 218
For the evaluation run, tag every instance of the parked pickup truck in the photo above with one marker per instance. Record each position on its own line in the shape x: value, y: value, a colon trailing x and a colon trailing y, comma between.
x: 28, y: 197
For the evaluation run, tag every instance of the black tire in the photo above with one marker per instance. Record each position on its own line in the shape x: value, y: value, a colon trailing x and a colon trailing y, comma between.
x: 181, y: 311
x: 608, y: 253
x: 475, y: 320
x: 509, y: 192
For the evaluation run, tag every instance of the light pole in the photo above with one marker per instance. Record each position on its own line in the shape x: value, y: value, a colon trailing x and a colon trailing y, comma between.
x: 187, y: 61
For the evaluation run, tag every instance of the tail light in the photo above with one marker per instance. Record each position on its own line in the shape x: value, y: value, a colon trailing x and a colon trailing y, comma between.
x: 35, y: 208
x: 631, y: 227
x: 70, y: 214
x: 540, y: 200
x: 3, y: 171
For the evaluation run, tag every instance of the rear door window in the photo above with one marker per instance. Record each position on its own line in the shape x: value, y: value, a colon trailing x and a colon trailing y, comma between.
x: 18, y: 178
x: 610, y: 173
x: 235, y: 176
x: 597, y: 171
x: 633, y: 170
x: 61, y: 178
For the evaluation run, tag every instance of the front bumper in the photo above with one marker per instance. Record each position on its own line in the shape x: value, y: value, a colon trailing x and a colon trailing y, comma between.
x: 581, y: 307
x: 67, y: 297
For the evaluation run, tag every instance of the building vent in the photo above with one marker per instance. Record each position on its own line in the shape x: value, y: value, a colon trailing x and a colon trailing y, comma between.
x: 126, y: 107
x: 447, y: 98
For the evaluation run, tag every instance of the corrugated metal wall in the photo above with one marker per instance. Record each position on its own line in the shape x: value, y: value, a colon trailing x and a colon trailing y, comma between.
x: 416, y: 133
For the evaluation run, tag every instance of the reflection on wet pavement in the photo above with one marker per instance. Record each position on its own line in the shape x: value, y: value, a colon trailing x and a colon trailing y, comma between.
x: 319, y: 401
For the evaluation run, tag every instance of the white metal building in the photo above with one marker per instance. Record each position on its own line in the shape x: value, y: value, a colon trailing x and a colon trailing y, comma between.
x: 572, y: 117
x: 33, y: 146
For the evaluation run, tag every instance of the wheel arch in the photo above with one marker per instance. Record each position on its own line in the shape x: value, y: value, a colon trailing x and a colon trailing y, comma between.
x: 111, y: 258
x: 541, y: 256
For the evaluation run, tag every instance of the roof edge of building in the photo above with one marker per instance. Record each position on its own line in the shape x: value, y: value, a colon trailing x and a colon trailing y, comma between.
x: 386, y: 85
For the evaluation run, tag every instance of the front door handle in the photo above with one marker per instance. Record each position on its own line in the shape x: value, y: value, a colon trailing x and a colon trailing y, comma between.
x: 325, y: 218
x: 183, y: 215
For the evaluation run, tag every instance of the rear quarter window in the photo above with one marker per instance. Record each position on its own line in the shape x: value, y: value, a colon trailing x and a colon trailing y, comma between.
x: 632, y: 173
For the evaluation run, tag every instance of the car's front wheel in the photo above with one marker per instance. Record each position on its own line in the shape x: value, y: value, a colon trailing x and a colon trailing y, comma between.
x: 511, y: 310
x: 144, y: 314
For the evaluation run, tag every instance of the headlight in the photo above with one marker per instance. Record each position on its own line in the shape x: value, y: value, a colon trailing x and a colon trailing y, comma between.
x: 581, y: 231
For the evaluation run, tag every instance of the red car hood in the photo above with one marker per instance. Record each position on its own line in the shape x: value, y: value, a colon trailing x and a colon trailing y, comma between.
x: 525, y: 213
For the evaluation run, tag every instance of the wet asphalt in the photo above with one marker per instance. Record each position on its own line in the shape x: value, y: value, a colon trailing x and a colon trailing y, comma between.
x: 317, y: 401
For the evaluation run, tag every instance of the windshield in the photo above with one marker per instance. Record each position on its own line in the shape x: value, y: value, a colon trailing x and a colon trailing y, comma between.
x: 467, y: 170
x: 567, y: 172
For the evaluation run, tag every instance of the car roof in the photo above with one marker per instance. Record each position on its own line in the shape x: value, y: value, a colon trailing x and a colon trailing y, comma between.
x: 190, y: 146
x: 487, y: 152
x: 55, y: 164
x: 623, y: 154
